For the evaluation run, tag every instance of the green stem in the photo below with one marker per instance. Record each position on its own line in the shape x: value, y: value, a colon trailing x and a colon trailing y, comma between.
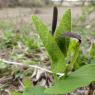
x: 72, y: 63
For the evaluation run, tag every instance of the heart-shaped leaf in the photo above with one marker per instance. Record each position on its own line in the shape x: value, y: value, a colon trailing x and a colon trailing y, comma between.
x: 80, y: 78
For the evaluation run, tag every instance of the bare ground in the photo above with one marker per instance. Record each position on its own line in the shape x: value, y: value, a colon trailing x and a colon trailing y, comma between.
x: 18, y: 14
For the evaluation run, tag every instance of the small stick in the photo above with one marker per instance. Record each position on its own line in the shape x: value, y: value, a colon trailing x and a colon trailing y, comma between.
x: 31, y: 66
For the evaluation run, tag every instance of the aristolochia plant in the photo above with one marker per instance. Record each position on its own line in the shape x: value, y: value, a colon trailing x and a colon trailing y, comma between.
x: 66, y: 55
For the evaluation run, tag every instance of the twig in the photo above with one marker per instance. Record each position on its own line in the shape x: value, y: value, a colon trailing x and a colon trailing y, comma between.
x: 31, y: 66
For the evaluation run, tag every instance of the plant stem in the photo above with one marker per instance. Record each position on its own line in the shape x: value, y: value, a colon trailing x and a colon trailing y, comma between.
x: 72, y: 63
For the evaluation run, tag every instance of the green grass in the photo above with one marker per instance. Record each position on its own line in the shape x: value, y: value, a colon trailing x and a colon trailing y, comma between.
x: 19, y: 46
x: 19, y: 41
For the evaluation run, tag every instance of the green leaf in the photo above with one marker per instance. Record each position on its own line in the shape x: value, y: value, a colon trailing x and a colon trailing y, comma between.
x: 2, y: 65
x: 72, y: 54
x: 58, y: 62
x: 64, y: 26
x: 27, y: 83
x: 72, y: 46
x: 16, y: 93
x: 34, y: 91
x: 80, y: 78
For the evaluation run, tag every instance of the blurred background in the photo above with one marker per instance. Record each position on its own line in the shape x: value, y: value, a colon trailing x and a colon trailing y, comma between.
x: 39, y: 3
x: 20, y: 12
x: 16, y: 24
